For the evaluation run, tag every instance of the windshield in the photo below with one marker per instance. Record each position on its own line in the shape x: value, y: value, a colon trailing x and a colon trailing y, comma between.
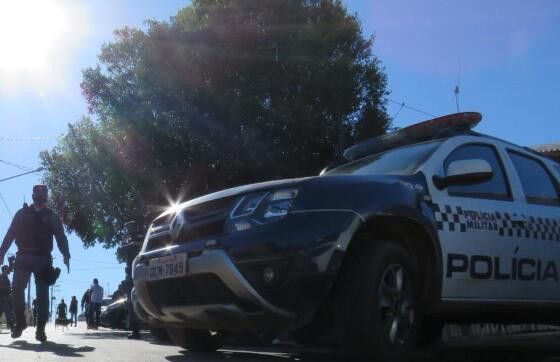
x: 399, y: 161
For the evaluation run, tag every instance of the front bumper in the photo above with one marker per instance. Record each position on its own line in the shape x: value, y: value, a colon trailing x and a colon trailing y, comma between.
x: 224, y: 315
x: 218, y: 292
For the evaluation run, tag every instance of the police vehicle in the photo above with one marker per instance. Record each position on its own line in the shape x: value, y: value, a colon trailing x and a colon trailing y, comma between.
x: 429, y: 224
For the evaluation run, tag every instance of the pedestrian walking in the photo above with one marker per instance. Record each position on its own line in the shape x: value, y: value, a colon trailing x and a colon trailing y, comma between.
x: 73, y: 311
x: 85, y: 306
x: 62, y: 310
x: 5, y: 301
x: 96, y: 298
x: 33, y: 228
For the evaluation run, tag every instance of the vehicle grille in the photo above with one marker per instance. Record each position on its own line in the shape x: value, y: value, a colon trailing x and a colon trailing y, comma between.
x: 205, y: 220
x: 199, y: 289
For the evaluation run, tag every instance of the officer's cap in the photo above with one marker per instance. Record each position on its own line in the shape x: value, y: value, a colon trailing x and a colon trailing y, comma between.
x: 40, y: 190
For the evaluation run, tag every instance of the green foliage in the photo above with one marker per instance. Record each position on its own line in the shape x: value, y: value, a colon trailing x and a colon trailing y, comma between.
x: 227, y: 92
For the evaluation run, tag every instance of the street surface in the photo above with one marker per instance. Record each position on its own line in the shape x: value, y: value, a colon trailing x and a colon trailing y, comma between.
x: 80, y: 344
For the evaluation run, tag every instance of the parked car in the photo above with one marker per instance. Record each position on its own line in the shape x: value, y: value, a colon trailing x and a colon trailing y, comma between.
x: 430, y: 224
x: 115, y: 315
x: 105, y: 303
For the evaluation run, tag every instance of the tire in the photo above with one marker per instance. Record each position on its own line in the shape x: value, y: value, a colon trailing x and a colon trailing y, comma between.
x: 196, y: 340
x: 430, y: 332
x: 305, y: 336
x: 160, y: 334
x: 316, y: 331
x: 377, y: 302
x: 250, y: 338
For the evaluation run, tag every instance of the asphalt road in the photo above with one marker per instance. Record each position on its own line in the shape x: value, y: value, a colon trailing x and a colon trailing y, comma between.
x: 79, y: 344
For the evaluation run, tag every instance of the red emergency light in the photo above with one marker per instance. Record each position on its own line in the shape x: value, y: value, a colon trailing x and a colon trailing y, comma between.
x: 419, y: 132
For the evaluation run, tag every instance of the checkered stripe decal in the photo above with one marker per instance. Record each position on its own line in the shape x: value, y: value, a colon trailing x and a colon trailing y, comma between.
x: 453, y: 219
x: 508, y: 227
x: 450, y: 218
x: 541, y: 228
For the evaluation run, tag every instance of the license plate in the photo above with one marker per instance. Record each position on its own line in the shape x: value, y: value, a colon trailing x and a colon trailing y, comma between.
x: 172, y: 266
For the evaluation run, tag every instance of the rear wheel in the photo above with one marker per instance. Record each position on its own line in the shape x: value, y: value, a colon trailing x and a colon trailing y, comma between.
x: 430, y: 332
x: 377, y: 302
x: 196, y: 340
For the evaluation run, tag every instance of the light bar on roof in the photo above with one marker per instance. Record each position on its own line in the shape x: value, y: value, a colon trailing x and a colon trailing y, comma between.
x: 423, y: 131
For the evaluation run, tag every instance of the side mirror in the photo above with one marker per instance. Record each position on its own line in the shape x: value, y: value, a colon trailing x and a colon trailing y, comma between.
x: 464, y: 172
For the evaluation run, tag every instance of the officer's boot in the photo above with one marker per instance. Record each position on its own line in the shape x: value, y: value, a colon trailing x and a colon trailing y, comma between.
x: 21, y: 324
x: 40, y: 334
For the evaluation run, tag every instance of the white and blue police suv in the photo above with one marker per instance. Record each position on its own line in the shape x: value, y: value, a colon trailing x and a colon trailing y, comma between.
x: 430, y: 224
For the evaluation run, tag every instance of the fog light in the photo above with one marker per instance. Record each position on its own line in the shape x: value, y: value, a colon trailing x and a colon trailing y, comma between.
x: 240, y: 226
x: 268, y: 275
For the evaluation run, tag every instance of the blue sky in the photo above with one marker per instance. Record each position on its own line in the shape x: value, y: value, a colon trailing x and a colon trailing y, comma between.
x: 504, y: 54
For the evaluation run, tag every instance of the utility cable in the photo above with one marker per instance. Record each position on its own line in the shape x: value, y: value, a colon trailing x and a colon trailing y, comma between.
x: 399, y: 111
x: 402, y: 104
x: 19, y: 167
x: 43, y: 138
x: 6, y: 206
x: 96, y: 262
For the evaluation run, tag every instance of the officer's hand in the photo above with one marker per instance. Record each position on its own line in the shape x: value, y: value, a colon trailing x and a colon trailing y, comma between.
x: 67, y: 263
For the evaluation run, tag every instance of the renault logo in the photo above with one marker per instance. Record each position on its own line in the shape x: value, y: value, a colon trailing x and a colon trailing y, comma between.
x: 177, y: 225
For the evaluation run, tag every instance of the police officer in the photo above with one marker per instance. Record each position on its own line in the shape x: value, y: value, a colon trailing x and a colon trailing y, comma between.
x: 5, y: 302
x: 33, y: 228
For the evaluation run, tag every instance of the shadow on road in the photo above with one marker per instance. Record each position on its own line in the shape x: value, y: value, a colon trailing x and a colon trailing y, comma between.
x: 108, y: 334
x: 258, y: 355
x: 516, y: 349
x: 510, y: 353
x: 59, y: 349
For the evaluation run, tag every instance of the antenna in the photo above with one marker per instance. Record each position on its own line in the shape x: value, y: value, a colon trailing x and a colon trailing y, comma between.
x: 457, y: 89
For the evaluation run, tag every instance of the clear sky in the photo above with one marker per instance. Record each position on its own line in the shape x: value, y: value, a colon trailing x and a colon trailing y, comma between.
x: 504, y: 54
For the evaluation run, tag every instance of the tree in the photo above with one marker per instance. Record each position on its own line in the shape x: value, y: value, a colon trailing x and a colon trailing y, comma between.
x: 225, y: 93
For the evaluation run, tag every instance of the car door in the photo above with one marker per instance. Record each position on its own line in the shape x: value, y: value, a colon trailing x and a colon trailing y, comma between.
x: 541, y: 258
x: 479, y: 229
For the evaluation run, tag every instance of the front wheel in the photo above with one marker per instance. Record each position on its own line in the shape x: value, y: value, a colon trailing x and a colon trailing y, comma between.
x: 196, y: 340
x: 377, y: 302
x: 160, y: 334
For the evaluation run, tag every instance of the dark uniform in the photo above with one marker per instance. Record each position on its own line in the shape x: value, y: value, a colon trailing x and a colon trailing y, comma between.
x: 33, y: 228
x: 5, y: 302
x: 73, y: 311
x: 86, y: 299
x: 62, y: 310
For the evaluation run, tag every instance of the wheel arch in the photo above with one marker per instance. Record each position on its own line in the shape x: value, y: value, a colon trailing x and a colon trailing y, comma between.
x: 413, y: 235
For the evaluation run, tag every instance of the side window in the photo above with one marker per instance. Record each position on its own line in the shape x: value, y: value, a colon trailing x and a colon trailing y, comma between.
x: 557, y: 167
x: 495, y: 188
x: 536, y: 180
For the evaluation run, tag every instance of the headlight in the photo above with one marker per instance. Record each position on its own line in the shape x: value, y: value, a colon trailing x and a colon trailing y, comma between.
x: 261, y: 208
x: 247, y: 205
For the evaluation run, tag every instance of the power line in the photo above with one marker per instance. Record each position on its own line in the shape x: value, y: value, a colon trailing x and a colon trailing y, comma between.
x: 96, y: 262
x: 402, y: 104
x: 25, y: 139
x: 19, y: 167
x: 6, y: 205
x: 399, y: 111
x: 97, y: 268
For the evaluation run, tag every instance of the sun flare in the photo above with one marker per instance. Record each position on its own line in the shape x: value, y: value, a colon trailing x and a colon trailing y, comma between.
x: 29, y: 32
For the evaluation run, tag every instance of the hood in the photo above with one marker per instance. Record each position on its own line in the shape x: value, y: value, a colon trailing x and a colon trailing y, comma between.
x: 234, y: 191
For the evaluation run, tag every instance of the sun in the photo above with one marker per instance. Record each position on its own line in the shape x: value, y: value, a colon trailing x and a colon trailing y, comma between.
x: 29, y: 31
